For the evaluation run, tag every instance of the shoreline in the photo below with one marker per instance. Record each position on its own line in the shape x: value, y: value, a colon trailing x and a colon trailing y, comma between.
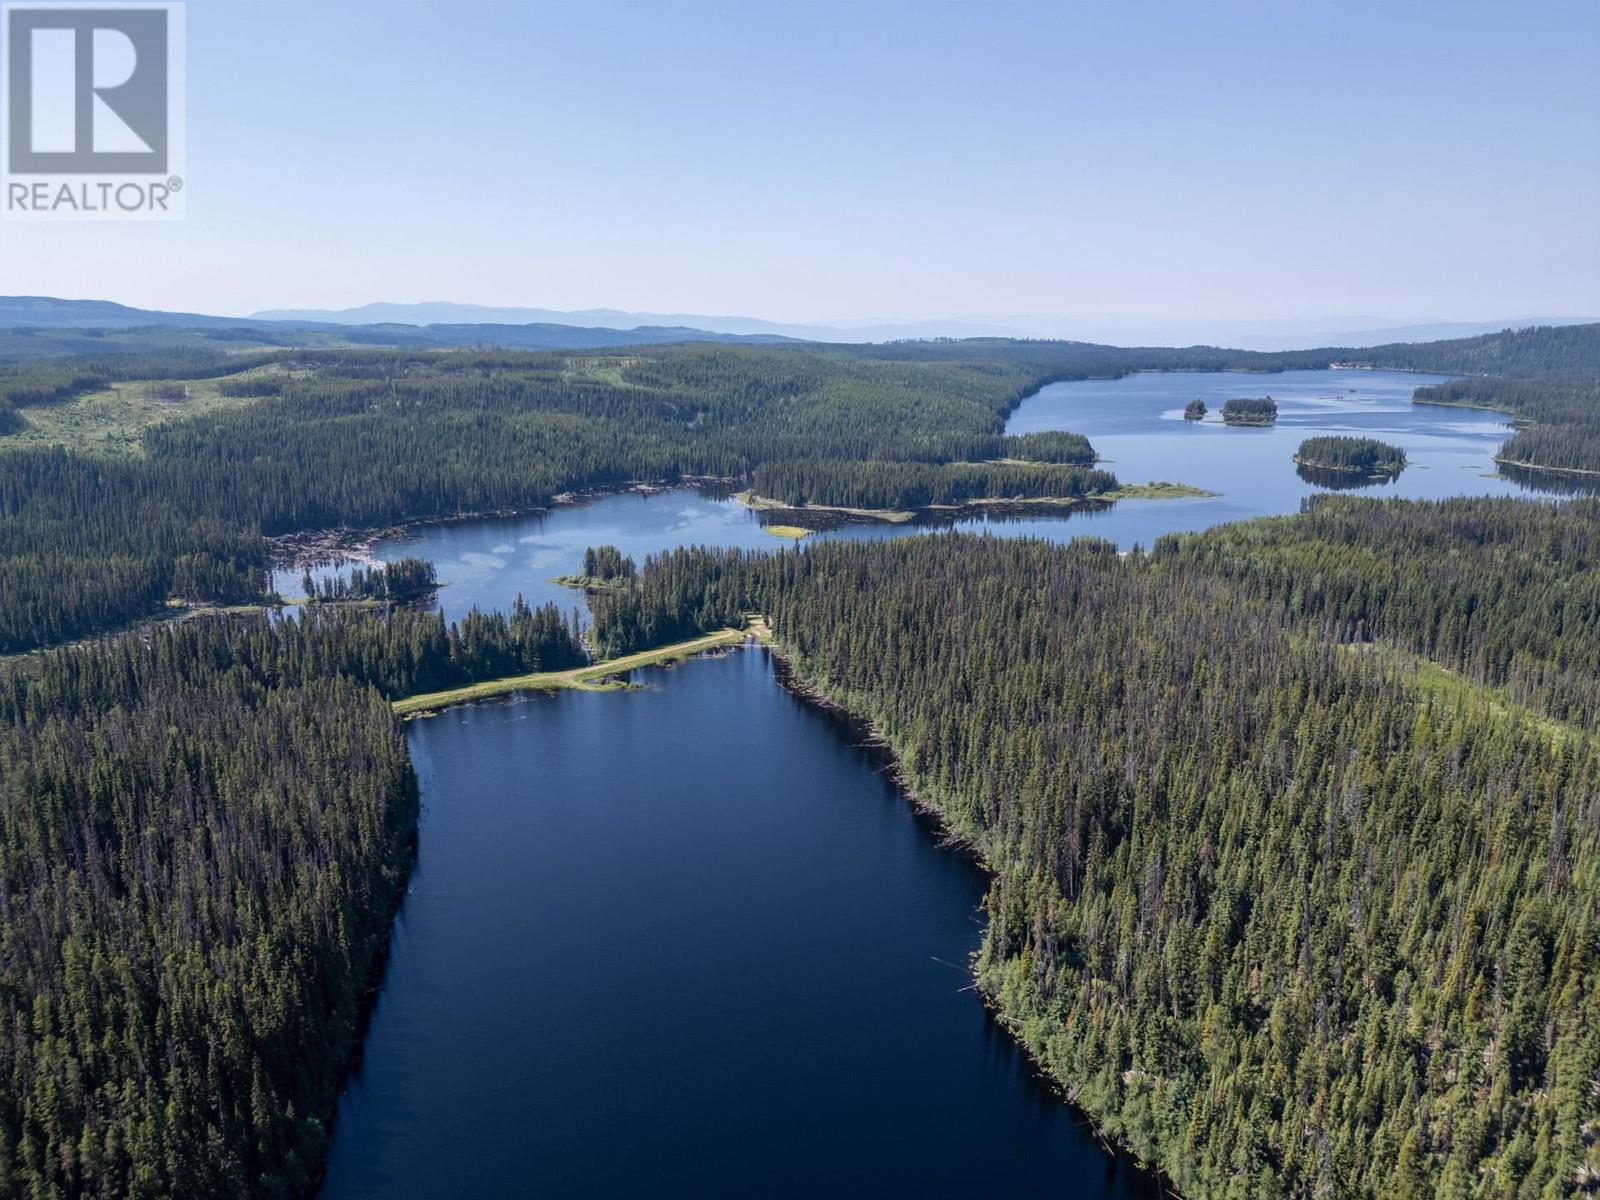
x: 1506, y: 412
x: 319, y: 547
x: 1353, y: 472
x: 1021, y: 505
x: 948, y: 837
x: 594, y: 677
x: 1540, y: 467
x: 354, y: 543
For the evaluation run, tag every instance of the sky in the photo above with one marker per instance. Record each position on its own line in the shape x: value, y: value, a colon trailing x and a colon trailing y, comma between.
x: 872, y: 160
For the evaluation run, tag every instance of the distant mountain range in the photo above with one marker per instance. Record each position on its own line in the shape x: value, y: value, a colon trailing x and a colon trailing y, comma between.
x: 444, y: 312
x: 450, y: 324
x: 1246, y: 335
x: 50, y: 313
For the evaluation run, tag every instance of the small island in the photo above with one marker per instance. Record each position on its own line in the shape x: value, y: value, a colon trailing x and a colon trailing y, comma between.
x: 398, y: 582
x: 1195, y: 410
x: 604, y: 568
x: 1354, y: 457
x: 1260, y: 411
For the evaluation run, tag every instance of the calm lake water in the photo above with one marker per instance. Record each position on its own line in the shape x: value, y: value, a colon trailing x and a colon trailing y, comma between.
x: 689, y: 941
x: 1136, y: 423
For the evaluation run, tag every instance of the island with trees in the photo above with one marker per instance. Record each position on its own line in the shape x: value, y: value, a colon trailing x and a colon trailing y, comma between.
x: 603, y: 567
x: 1245, y: 411
x: 1195, y: 410
x: 398, y: 582
x: 1353, y: 458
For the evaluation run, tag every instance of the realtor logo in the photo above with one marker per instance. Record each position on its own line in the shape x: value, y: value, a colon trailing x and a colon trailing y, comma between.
x: 93, y: 121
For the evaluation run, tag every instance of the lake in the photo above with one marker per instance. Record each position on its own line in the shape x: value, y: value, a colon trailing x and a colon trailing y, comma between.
x: 1136, y: 423
x: 690, y: 940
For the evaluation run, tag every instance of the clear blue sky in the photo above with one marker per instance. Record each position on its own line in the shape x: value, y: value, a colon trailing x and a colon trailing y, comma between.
x: 818, y: 161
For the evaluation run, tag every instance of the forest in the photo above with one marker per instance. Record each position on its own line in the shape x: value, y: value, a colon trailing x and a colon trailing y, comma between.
x: 203, y: 833
x: 1291, y: 909
x: 1292, y: 821
x: 1351, y: 455
x: 361, y: 437
x: 1557, y: 414
x: 197, y: 872
x: 1262, y: 410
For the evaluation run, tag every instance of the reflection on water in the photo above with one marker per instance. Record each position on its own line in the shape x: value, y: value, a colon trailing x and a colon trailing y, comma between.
x: 1557, y: 482
x: 1341, y: 481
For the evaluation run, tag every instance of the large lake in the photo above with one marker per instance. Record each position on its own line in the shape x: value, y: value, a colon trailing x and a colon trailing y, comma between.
x: 1136, y: 423
x: 690, y: 941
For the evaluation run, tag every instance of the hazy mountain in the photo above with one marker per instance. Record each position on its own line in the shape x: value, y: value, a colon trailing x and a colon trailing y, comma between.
x: 1285, y: 334
x: 539, y: 328
x: 444, y: 312
x: 49, y: 313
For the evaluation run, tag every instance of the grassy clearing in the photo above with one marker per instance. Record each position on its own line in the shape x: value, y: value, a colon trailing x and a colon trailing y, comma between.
x: 1440, y: 681
x: 606, y: 369
x: 112, y: 422
x: 1451, y: 687
x: 1158, y: 490
x: 591, y: 583
x: 596, y: 677
x: 787, y: 531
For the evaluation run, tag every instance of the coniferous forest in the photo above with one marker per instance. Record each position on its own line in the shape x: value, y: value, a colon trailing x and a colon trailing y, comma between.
x: 1261, y: 410
x: 1291, y: 910
x: 1351, y: 455
x: 197, y: 870
x: 1292, y: 822
x: 203, y: 834
x: 357, y: 437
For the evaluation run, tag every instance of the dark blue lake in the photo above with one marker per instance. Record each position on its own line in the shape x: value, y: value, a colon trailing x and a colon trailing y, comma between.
x: 690, y: 941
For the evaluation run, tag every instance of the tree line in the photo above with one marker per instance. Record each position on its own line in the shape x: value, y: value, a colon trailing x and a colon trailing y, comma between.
x: 204, y: 830
x: 892, y: 485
